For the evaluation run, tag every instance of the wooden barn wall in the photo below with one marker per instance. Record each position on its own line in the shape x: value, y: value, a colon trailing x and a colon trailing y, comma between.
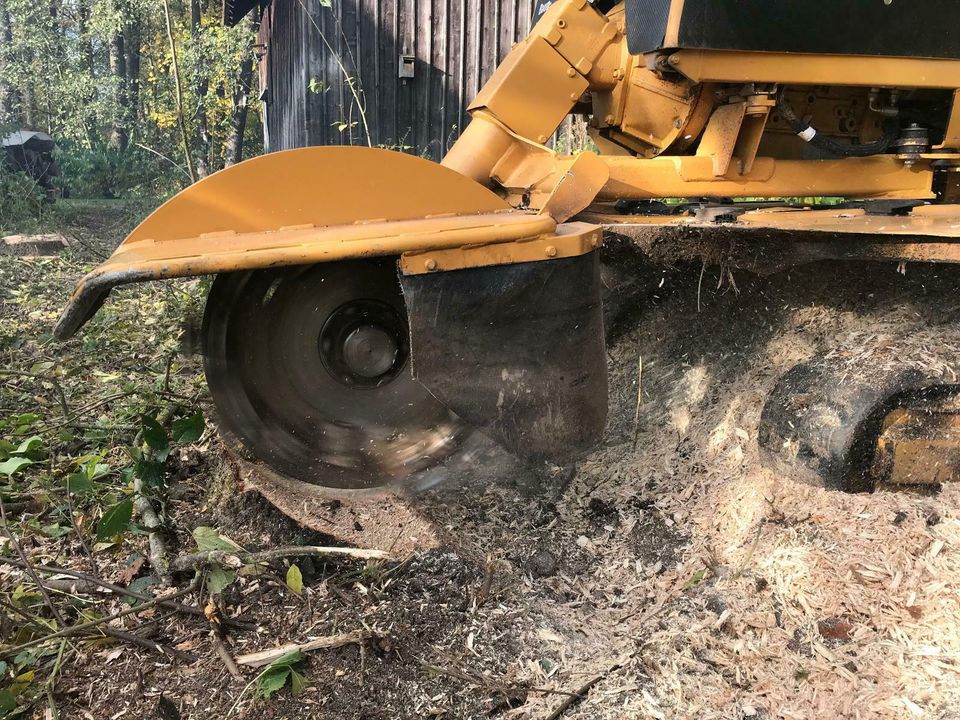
x: 332, y: 73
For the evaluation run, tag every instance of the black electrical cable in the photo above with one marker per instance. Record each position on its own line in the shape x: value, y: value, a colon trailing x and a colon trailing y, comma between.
x: 828, y: 144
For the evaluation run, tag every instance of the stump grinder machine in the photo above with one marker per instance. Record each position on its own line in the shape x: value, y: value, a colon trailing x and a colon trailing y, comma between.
x: 372, y: 310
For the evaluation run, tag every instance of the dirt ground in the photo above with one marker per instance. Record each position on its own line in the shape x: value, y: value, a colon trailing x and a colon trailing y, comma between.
x: 669, y: 574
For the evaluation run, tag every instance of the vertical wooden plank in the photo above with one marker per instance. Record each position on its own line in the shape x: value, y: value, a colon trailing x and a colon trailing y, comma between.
x: 462, y: 56
x: 422, y: 82
x: 349, y: 33
x: 475, y: 68
x: 384, y: 95
x: 436, y: 108
x: 333, y: 80
x: 488, y: 43
x: 315, y: 60
x: 497, y: 11
x: 451, y: 72
x: 372, y: 92
x: 406, y: 110
x: 304, y: 67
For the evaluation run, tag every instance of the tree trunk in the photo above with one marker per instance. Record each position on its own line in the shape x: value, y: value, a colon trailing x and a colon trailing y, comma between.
x: 86, y: 41
x: 27, y: 100
x: 241, y: 97
x: 7, y: 91
x: 133, y: 44
x: 201, y: 135
x: 118, y: 138
x: 86, y: 47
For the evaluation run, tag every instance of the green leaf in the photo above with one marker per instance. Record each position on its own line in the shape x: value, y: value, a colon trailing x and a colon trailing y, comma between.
x: 289, y: 660
x: 3, y: 668
x: 7, y: 701
x: 22, y: 681
x: 140, y: 585
x: 209, y: 538
x: 295, y: 579
x: 219, y: 579
x: 38, y: 368
x: 31, y: 448
x: 25, y: 421
x: 94, y: 468
x: 79, y: 483
x: 55, y: 530
x: 695, y: 579
x: 272, y: 679
x: 115, y: 520
x: 189, y: 429
x: 155, y: 436
x: 13, y: 465
x: 297, y: 682
x: 150, y: 471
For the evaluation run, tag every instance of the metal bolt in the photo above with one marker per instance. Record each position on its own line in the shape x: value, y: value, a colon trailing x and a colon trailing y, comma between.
x: 561, y: 23
x: 551, y: 251
x: 674, y: 60
x: 571, y: 72
x: 430, y: 264
x: 542, y: 139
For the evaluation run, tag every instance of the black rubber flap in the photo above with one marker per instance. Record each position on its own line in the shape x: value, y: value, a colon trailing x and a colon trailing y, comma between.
x: 903, y: 28
x: 646, y: 24
x: 515, y: 350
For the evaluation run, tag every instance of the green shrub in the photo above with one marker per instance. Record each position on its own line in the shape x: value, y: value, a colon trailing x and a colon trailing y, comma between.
x: 104, y: 172
x: 21, y: 201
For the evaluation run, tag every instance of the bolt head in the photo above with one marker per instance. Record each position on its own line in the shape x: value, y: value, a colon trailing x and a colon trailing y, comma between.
x: 551, y: 251
x: 430, y: 264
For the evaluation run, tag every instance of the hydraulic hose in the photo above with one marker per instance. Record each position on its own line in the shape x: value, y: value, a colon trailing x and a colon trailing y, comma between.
x: 828, y: 144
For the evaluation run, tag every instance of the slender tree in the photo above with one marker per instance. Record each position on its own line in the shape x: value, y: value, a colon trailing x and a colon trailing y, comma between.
x: 201, y: 139
x: 7, y: 88
x: 133, y: 45
x: 241, y: 102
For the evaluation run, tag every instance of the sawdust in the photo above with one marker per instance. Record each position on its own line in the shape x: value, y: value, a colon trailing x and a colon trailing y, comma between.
x: 789, y: 601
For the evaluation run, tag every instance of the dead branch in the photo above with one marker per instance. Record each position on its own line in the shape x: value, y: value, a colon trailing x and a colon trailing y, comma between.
x: 92, y: 584
x: 223, y: 652
x: 26, y: 563
x: 150, y: 518
x: 82, y: 628
x: 149, y: 644
x: 196, y: 560
x: 578, y: 695
x: 159, y: 557
x: 265, y: 657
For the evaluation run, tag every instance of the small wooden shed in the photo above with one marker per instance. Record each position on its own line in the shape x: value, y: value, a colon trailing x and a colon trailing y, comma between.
x: 394, y: 73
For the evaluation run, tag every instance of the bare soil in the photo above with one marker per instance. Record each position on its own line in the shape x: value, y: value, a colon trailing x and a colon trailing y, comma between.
x: 669, y: 571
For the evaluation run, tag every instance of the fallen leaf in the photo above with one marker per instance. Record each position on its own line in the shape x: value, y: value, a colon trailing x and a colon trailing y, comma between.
x: 836, y: 628
x: 132, y: 570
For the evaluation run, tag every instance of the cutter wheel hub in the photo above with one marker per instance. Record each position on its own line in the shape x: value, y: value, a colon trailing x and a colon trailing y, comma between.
x: 364, y: 343
x: 309, y: 370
